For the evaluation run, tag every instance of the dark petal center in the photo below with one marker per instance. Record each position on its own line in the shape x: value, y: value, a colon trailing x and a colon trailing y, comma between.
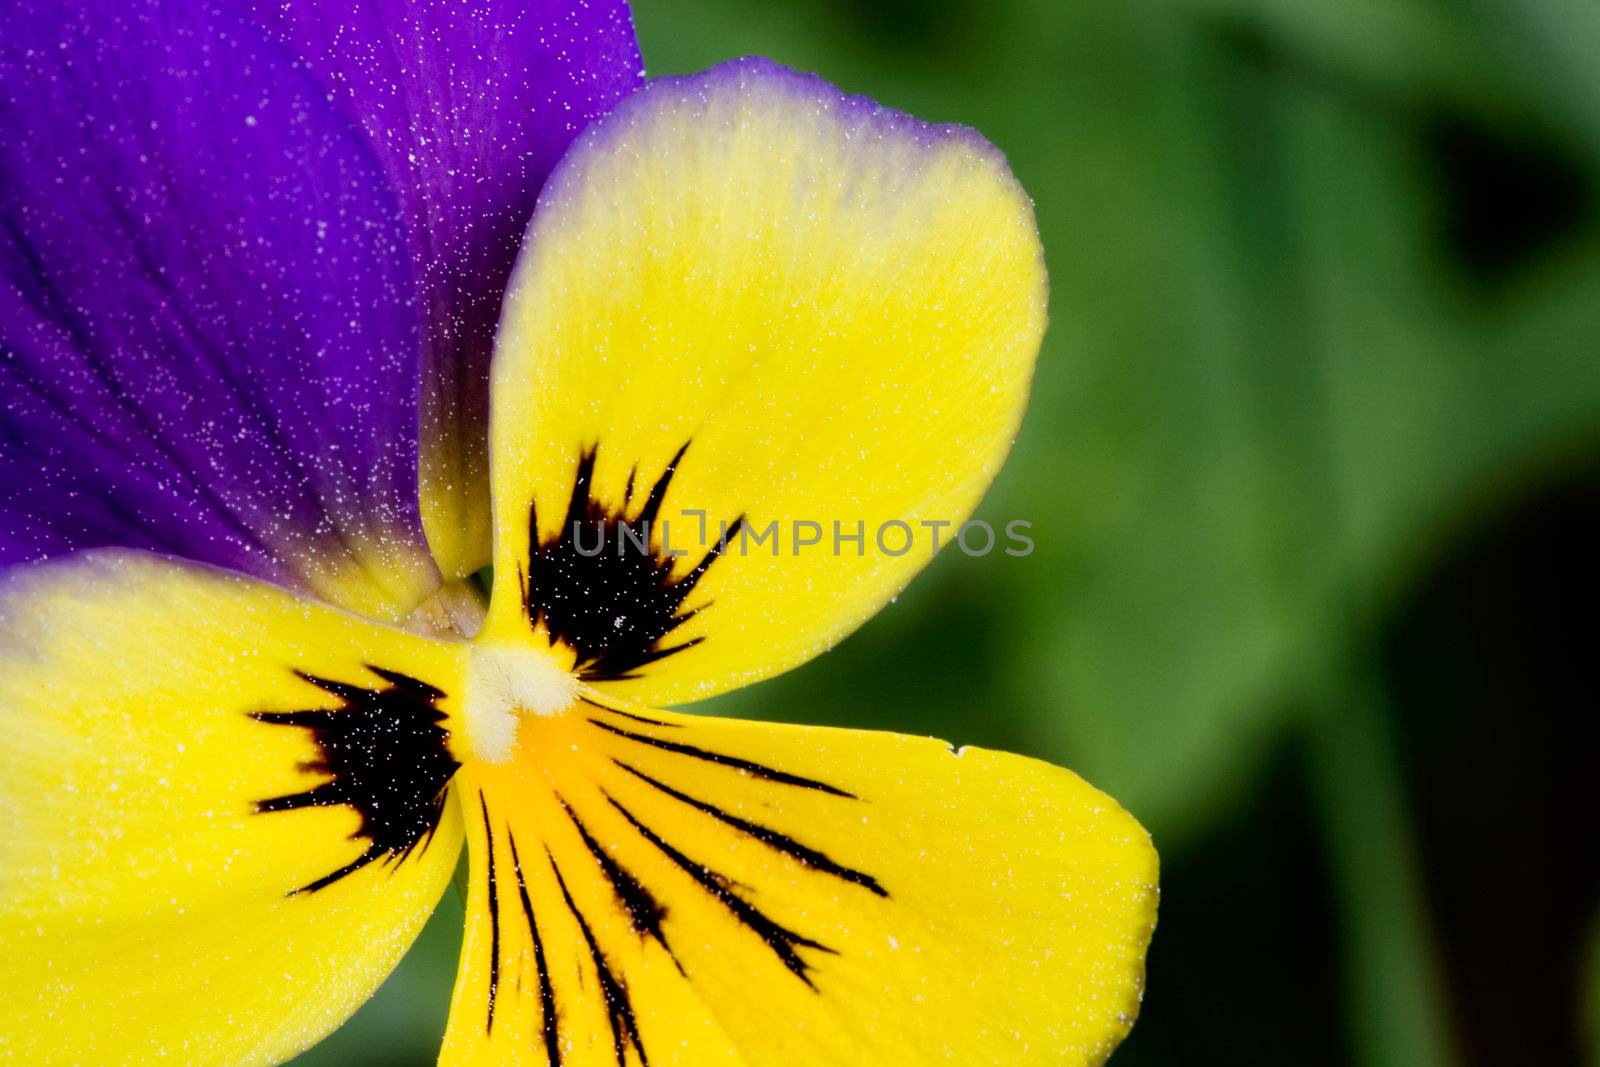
x: 386, y: 757
x: 604, y: 585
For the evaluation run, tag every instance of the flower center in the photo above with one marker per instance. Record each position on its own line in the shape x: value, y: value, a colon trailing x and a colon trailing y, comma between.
x: 456, y: 609
x: 506, y: 682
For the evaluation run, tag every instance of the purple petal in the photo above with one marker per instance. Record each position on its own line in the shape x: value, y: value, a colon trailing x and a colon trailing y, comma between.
x: 208, y: 331
x: 469, y: 104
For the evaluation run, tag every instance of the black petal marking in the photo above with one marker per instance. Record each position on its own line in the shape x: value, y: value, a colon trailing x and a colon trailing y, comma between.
x: 593, y: 703
x: 603, y: 585
x: 619, y: 1009
x: 810, y: 857
x: 547, y: 993
x: 386, y: 758
x: 781, y: 940
x: 759, y: 770
x: 494, y: 917
x: 645, y: 913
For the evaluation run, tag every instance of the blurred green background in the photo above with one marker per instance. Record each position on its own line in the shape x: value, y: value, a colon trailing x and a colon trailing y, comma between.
x: 1313, y: 463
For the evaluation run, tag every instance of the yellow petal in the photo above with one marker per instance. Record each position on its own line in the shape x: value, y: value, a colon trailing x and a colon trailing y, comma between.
x: 164, y: 895
x: 748, y: 297
x: 656, y: 888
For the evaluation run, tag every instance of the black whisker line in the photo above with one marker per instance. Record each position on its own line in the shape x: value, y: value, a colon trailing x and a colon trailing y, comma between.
x: 582, y: 487
x: 547, y: 993
x: 658, y: 492
x: 494, y: 916
x: 593, y: 703
x: 694, y: 576
x: 427, y: 840
x: 328, y: 879
x: 810, y: 857
x: 759, y: 770
x: 522, y: 583
x: 780, y: 939
x: 645, y: 913
x: 624, y: 1026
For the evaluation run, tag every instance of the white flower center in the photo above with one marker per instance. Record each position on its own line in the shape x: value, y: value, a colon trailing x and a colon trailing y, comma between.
x: 506, y: 682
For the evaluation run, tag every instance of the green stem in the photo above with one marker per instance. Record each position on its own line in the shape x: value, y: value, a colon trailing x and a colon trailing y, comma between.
x: 1396, y: 996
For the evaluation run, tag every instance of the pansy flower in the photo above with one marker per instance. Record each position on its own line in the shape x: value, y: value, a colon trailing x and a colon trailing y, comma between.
x: 756, y: 347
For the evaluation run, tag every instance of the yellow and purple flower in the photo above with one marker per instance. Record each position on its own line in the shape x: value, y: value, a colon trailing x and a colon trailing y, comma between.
x: 255, y: 463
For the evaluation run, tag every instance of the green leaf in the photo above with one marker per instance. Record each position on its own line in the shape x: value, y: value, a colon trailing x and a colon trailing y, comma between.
x: 1273, y: 385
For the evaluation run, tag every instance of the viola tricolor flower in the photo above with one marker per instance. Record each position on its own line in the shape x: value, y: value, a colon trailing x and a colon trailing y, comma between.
x: 255, y: 464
